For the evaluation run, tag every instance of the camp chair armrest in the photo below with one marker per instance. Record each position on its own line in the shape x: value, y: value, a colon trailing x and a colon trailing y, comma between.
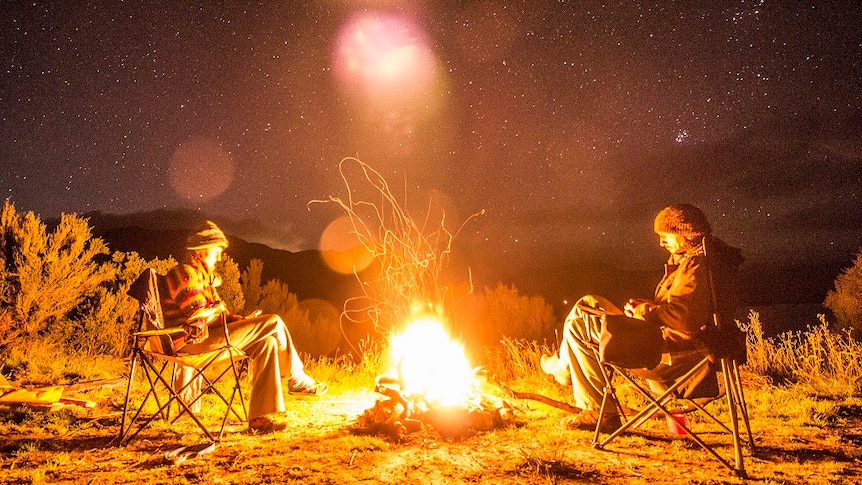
x: 159, y: 331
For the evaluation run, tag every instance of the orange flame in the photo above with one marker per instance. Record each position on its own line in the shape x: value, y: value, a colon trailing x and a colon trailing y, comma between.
x: 430, y: 364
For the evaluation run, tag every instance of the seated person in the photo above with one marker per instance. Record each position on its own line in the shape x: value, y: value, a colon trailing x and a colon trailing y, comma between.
x: 193, y: 302
x: 672, y: 325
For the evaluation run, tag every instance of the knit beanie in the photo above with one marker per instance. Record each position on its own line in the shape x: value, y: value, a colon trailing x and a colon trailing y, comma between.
x: 683, y: 219
x: 207, y: 235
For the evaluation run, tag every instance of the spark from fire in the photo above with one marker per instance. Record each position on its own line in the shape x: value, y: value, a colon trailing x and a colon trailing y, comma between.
x: 410, y: 257
x: 431, y: 364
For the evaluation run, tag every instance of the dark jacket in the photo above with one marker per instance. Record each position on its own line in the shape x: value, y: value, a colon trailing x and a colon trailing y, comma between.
x: 683, y: 297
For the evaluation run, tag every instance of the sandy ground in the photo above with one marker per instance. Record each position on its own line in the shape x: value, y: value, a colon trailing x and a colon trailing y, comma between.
x: 322, y: 447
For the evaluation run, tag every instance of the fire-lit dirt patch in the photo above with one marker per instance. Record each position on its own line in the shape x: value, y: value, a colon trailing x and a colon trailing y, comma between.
x: 320, y: 447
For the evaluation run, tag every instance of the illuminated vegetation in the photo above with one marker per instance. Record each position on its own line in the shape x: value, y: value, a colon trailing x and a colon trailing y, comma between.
x: 803, y: 388
x: 845, y: 300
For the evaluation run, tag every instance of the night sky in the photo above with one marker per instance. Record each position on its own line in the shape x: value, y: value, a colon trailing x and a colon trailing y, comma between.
x: 571, y: 123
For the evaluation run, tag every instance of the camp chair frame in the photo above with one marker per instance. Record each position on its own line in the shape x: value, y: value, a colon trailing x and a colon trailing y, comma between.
x: 733, y: 392
x: 153, y: 352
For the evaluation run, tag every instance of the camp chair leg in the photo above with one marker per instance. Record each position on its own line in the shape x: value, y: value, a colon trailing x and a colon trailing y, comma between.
x: 155, y: 378
x: 609, y: 394
x: 606, y: 396
x: 208, y: 387
x: 174, y: 397
x: 237, y: 391
x: 736, y: 405
x: 139, y: 360
x: 123, y: 430
x: 732, y: 411
x: 740, y: 400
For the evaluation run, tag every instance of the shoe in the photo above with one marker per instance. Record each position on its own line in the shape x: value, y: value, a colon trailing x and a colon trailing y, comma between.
x: 184, y: 453
x: 552, y: 365
x: 587, y: 420
x: 306, y: 386
x: 268, y: 423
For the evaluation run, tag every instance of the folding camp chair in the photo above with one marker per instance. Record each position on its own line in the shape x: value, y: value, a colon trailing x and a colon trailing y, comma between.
x: 725, y: 352
x: 153, y: 351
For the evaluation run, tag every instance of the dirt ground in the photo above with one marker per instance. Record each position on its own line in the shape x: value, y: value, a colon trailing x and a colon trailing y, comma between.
x: 321, y: 447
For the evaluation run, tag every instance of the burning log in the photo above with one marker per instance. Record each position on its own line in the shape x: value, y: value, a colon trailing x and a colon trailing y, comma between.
x: 430, y: 383
x: 397, y: 416
x: 483, y: 413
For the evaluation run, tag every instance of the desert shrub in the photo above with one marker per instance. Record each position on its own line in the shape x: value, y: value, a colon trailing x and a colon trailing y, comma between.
x: 230, y: 290
x: 7, y: 329
x: 62, y: 297
x: 502, y: 312
x: 514, y: 358
x: 845, y: 300
x: 103, y: 323
x: 320, y: 331
x: 251, y: 285
x: 47, y: 275
x: 348, y: 374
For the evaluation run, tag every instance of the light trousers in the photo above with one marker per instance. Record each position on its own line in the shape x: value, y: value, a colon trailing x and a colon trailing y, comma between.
x: 268, y: 344
x: 581, y: 332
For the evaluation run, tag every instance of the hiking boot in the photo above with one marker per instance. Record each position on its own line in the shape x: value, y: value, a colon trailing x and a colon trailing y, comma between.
x: 306, y: 386
x: 552, y: 365
x: 268, y: 423
x: 587, y: 420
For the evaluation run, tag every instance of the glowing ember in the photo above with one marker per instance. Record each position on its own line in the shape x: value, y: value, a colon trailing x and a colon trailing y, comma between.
x: 431, y: 365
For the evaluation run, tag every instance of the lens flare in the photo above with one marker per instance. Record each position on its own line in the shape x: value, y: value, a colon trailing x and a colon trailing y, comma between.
x: 200, y: 169
x: 340, y: 249
x: 385, y: 61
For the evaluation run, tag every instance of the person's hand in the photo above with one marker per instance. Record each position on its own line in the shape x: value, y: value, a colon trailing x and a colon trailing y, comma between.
x: 207, y: 313
x: 629, y: 307
x: 254, y: 314
x: 635, y: 308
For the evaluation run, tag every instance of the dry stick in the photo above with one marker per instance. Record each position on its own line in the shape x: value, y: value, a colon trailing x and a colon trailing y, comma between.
x: 542, y: 399
x: 103, y: 383
x: 574, y: 409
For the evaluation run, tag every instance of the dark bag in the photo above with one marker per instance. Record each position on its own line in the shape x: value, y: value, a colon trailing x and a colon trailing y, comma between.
x: 630, y: 343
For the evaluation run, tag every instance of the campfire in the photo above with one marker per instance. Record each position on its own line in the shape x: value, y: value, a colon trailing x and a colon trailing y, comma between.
x: 430, y: 383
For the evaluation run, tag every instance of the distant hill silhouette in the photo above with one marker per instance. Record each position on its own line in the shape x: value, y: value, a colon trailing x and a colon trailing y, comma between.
x: 161, y: 234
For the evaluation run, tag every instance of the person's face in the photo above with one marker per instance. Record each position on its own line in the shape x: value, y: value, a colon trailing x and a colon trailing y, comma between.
x: 672, y: 242
x: 211, y: 256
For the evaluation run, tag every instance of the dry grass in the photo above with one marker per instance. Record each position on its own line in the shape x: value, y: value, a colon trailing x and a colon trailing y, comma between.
x: 801, y: 438
x: 816, y: 361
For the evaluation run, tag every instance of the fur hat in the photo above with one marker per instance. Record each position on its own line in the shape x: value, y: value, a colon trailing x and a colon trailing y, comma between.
x: 683, y: 219
x: 207, y: 235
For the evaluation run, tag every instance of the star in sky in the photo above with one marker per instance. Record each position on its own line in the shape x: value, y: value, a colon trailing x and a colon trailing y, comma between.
x: 570, y: 123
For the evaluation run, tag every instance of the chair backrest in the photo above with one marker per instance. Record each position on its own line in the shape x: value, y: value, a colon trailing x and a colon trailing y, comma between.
x: 723, y: 336
x: 145, y: 289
